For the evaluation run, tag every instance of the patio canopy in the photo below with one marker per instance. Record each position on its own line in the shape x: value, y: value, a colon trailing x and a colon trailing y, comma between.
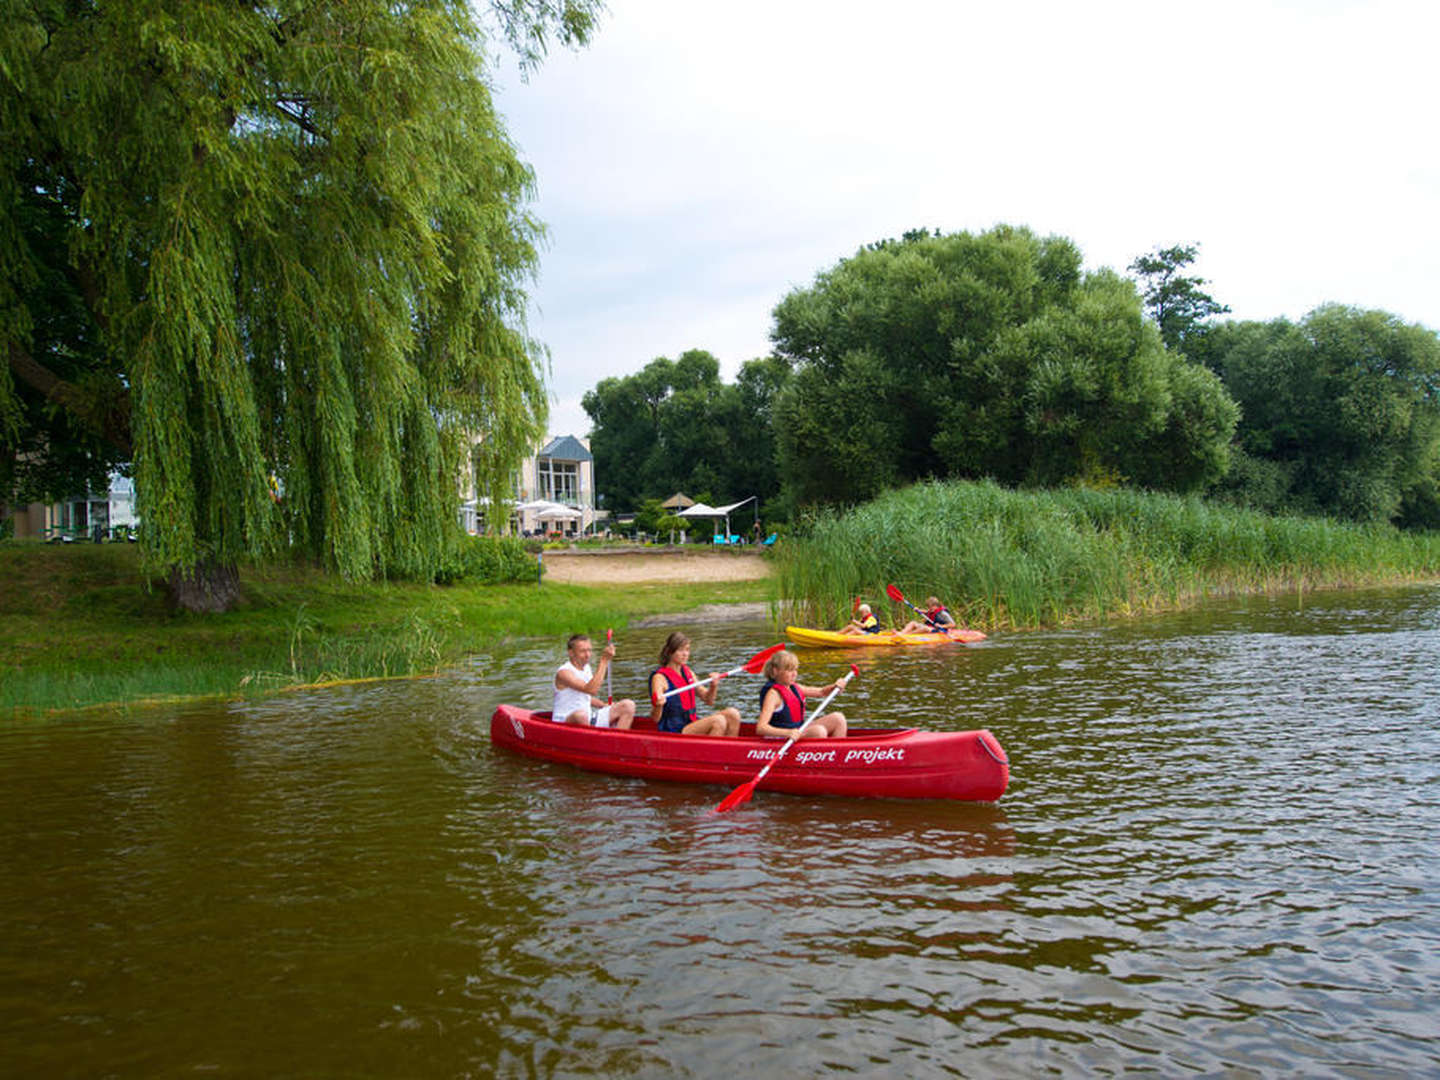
x: 700, y: 510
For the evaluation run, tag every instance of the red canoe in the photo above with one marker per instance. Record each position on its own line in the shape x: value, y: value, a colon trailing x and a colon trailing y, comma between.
x: 892, y: 763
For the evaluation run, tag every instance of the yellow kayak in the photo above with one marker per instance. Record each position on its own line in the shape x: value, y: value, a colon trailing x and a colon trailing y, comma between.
x: 829, y: 639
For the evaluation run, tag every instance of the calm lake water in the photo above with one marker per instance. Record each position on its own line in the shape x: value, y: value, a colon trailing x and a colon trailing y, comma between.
x: 1217, y: 857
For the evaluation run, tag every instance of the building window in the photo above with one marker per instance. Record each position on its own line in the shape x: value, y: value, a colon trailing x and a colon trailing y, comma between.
x: 559, y: 480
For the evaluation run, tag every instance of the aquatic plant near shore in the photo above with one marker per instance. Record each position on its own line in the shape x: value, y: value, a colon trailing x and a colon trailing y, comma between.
x: 1007, y: 559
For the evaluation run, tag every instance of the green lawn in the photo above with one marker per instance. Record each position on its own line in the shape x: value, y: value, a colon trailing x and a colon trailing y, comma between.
x: 79, y: 627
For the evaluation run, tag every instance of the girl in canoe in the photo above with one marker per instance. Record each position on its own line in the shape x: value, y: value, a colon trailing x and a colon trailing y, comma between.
x: 678, y: 713
x: 782, y: 703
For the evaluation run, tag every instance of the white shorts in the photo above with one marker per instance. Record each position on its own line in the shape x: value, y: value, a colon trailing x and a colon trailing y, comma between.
x: 598, y: 717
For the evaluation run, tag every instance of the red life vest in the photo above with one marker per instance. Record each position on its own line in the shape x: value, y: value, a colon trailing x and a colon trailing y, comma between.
x: 791, y: 700
x: 685, y: 700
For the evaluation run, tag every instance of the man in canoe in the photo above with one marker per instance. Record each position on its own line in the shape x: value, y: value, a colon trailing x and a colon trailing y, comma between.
x: 937, y: 619
x: 863, y: 623
x: 575, y: 688
x: 782, y: 703
x: 677, y: 713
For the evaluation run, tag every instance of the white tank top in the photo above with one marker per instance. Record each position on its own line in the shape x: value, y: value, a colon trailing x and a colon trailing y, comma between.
x: 567, y: 701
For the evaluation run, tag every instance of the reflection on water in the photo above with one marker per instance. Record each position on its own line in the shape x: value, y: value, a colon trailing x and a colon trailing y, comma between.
x: 1215, y: 857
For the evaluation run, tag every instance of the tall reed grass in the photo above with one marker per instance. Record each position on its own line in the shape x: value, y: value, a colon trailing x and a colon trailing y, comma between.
x: 1009, y: 559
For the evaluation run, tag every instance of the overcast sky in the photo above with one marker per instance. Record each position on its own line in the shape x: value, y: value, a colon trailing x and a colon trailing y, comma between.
x: 699, y: 161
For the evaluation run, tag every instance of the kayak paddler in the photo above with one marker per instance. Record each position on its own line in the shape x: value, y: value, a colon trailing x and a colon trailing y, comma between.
x: 937, y: 616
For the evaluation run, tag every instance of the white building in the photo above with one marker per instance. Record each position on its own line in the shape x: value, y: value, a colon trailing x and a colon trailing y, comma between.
x: 561, y: 475
x: 81, y: 516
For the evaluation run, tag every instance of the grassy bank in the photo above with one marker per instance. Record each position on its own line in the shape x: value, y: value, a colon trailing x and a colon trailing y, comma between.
x: 78, y: 627
x: 1007, y: 559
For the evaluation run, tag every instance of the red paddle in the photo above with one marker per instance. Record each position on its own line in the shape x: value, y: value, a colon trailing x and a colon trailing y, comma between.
x: 753, y: 666
x: 741, y: 795
x: 899, y: 597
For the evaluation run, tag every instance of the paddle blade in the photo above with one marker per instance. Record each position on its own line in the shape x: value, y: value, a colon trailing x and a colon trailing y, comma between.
x: 739, y: 797
x: 895, y: 594
x: 757, y: 662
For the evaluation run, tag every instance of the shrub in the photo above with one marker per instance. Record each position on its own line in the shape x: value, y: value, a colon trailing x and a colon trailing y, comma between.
x: 487, y: 560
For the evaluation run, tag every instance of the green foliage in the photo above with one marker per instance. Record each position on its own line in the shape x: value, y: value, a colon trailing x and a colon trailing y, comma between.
x: 1342, y: 409
x: 527, y: 25
x: 247, y: 240
x: 55, y: 438
x: 676, y: 427
x: 656, y: 520
x: 985, y: 355
x: 1002, y: 558
x: 487, y: 560
x: 78, y: 627
x: 1176, y: 302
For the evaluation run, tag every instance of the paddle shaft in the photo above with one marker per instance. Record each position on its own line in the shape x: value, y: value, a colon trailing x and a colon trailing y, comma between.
x: 702, y: 682
x: 752, y: 665
x: 609, y: 692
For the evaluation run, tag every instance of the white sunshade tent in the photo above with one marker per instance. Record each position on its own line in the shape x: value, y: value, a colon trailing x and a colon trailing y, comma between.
x: 700, y: 510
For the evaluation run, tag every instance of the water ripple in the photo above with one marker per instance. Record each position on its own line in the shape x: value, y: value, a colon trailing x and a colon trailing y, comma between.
x: 1216, y: 858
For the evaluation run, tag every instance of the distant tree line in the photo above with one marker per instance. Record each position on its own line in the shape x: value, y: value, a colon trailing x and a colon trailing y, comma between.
x: 995, y: 355
x: 674, y: 426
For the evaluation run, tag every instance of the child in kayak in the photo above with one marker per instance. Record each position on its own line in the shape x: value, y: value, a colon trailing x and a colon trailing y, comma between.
x: 863, y: 623
x: 677, y: 713
x: 938, y: 619
x: 782, y: 703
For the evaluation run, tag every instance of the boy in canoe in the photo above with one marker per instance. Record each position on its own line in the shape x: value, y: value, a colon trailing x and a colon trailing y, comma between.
x: 575, y: 687
x: 677, y: 713
x: 938, y: 618
x: 782, y: 703
x: 863, y: 623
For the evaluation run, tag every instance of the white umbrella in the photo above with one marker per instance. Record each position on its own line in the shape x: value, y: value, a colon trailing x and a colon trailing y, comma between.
x: 559, y: 513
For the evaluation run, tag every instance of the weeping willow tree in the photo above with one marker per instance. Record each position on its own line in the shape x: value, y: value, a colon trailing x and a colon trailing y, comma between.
x: 292, y: 243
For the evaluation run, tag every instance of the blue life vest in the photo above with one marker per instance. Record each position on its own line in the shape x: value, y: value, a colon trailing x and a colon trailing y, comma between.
x: 793, y: 702
x: 679, y: 710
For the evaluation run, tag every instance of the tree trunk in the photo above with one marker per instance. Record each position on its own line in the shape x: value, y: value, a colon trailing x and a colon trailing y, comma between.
x: 209, y: 588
